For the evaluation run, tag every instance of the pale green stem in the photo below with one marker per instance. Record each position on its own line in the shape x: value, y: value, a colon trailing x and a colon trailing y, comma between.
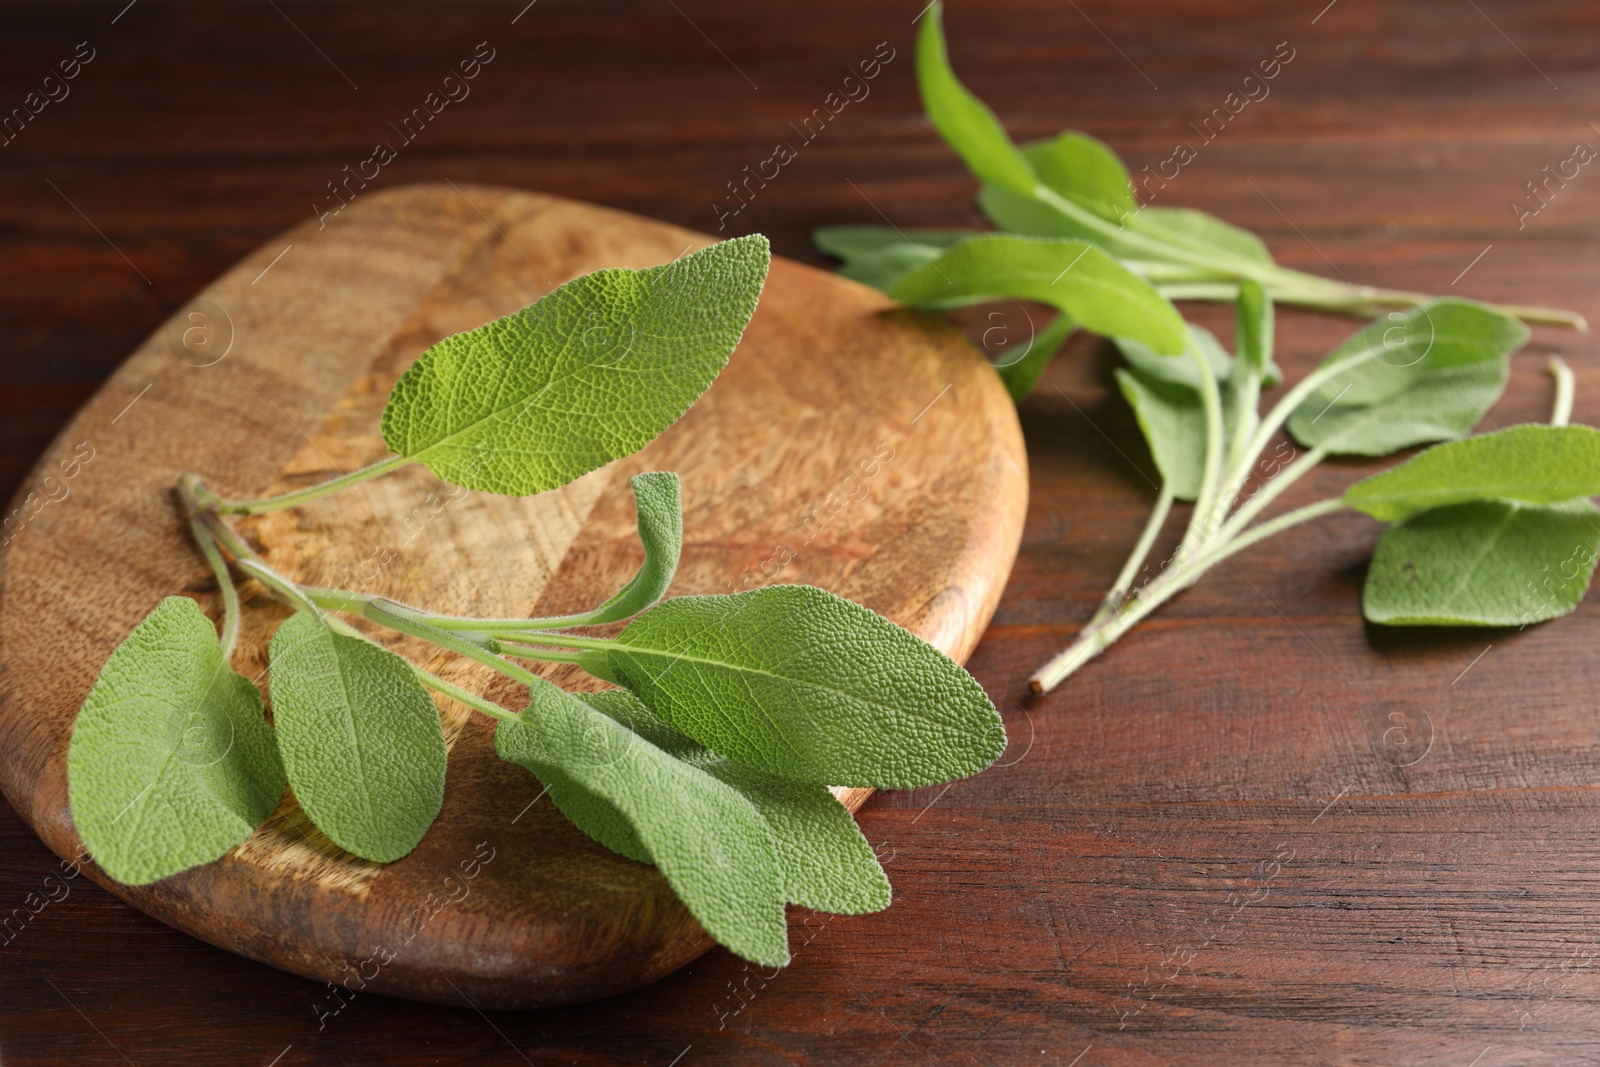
x: 1092, y: 641
x: 1562, y: 413
x: 1270, y: 492
x: 230, y: 592
x: 312, y: 492
x: 547, y: 655
x: 398, y: 617
x: 1201, y: 520
x: 1141, y: 551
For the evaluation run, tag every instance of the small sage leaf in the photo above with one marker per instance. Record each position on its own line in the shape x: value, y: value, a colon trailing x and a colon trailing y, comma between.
x: 658, y: 497
x: 804, y: 684
x: 1086, y: 171
x: 360, y: 737
x: 1071, y: 276
x: 171, y: 762
x: 1483, y: 563
x: 591, y: 372
x: 1533, y: 464
x: 1414, y: 377
x: 965, y: 123
x: 710, y: 844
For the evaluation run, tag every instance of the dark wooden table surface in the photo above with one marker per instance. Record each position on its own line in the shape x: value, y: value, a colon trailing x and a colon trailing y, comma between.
x: 1211, y: 846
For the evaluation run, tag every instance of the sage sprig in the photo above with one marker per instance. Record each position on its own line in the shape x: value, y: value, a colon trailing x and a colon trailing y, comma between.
x: 1495, y: 530
x: 1052, y: 198
x: 712, y: 762
x: 1490, y: 530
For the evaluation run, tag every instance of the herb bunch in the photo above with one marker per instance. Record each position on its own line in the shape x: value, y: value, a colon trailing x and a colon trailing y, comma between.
x: 1495, y: 530
x: 733, y: 713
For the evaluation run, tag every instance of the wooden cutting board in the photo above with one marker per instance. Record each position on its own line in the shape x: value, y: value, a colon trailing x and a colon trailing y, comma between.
x: 848, y: 445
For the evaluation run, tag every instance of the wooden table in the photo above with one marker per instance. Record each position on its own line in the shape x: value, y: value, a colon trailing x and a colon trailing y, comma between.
x: 1212, y: 845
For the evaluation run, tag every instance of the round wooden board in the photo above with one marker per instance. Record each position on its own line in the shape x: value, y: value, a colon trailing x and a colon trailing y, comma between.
x: 847, y: 445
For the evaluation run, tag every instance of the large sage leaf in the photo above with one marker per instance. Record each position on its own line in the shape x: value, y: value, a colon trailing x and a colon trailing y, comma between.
x: 360, y: 737
x: 801, y: 683
x: 708, y: 841
x: 1428, y: 374
x: 1071, y: 276
x: 827, y: 863
x: 171, y: 762
x: 1483, y: 563
x: 965, y: 123
x: 591, y: 372
x: 1532, y: 464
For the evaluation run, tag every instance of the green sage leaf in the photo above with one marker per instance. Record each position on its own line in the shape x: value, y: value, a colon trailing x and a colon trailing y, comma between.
x: 708, y: 841
x: 1483, y: 563
x: 171, y: 762
x: 1174, y: 426
x: 591, y: 372
x: 360, y: 737
x: 1073, y: 277
x: 1532, y: 464
x: 1193, y: 231
x: 1255, y: 319
x: 827, y: 863
x: 965, y: 123
x: 806, y: 685
x: 1413, y: 377
x: 880, y: 256
x: 658, y: 497
x: 1086, y: 171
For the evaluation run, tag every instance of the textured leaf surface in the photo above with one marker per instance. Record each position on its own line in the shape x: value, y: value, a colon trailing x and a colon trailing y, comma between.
x: 171, y: 762
x: 1413, y: 377
x: 591, y: 372
x: 708, y: 841
x: 965, y: 123
x: 827, y: 863
x: 658, y: 496
x: 880, y: 256
x: 360, y: 737
x: 1086, y: 171
x: 1533, y: 464
x: 1483, y: 563
x: 1072, y: 276
x: 804, y: 684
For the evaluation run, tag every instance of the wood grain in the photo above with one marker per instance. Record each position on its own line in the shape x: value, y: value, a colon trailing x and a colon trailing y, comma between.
x: 1432, y: 914
x: 907, y: 496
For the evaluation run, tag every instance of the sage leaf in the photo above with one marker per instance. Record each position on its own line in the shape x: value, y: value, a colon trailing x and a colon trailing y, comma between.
x: 1073, y: 277
x: 1189, y: 230
x: 1532, y: 464
x: 591, y: 372
x: 1414, y: 377
x: 880, y: 256
x: 803, y: 684
x: 826, y: 861
x: 658, y: 498
x: 1483, y: 563
x: 360, y: 737
x: 1084, y: 170
x: 965, y: 123
x: 1255, y: 325
x: 171, y: 762
x: 708, y: 841
x: 1174, y: 426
